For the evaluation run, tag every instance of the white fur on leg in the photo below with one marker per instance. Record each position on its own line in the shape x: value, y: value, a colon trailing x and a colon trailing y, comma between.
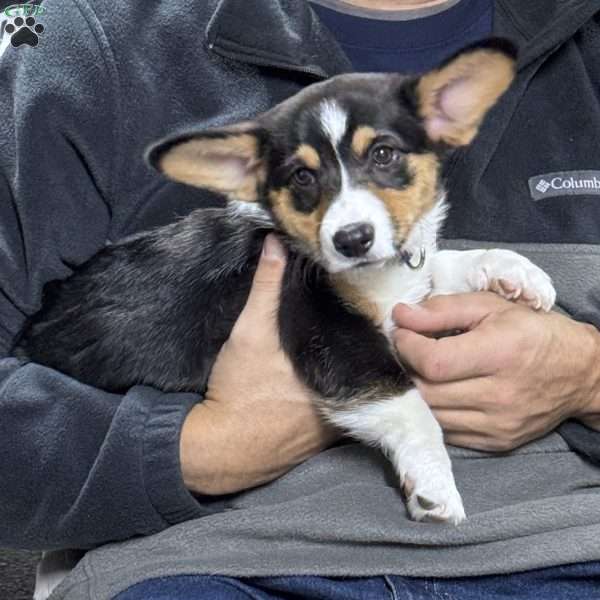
x: 52, y: 569
x: 406, y: 430
x: 505, y: 272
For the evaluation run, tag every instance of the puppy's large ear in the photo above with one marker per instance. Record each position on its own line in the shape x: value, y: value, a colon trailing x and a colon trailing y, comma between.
x: 454, y: 99
x: 229, y: 161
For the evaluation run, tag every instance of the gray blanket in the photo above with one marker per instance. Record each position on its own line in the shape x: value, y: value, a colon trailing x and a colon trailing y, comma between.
x: 341, y: 514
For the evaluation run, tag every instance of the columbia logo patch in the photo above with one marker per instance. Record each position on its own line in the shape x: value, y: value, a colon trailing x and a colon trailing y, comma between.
x: 543, y: 186
x: 565, y: 183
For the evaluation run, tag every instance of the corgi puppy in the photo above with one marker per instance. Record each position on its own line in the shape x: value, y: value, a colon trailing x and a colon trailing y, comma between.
x: 349, y: 173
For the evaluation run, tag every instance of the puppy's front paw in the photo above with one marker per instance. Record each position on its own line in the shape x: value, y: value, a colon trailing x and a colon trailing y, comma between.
x: 434, y: 500
x: 513, y: 277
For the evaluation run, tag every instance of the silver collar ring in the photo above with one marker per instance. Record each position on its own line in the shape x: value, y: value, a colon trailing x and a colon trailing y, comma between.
x: 408, y: 259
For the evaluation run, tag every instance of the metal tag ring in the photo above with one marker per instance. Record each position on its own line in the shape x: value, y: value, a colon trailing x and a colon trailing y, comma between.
x: 408, y: 259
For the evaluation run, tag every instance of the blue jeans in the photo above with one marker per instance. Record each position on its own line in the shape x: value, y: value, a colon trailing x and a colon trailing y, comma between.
x: 569, y: 582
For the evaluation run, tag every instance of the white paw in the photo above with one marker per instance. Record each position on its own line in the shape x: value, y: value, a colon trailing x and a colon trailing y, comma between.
x: 434, y: 500
x: 513, y: 277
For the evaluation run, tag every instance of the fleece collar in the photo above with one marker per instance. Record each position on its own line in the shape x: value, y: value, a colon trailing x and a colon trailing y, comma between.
x: 287, y: 34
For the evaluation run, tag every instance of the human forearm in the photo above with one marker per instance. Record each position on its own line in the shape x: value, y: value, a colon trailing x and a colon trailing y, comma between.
x: 80, y: 467
x: 225, y: 451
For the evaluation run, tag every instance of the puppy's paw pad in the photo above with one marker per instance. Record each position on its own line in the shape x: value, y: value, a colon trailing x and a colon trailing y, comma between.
x: 425, y: 504
x: 437, y: 505
x: 514, y: 277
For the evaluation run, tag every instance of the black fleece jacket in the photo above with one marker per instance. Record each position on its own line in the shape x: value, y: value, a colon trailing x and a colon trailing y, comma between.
x: 79, y: 466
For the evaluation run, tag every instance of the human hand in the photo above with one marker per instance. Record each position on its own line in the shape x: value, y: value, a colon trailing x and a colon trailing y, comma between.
x: 257, y: 420
x: 511, y: 377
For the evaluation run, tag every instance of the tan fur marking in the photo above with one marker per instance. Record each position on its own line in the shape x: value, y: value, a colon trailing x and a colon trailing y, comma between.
x: 362, y: 139
x: 309, y: 156
x: 226, y: 165
x: 486, y: 75
x: 352, y: 297
x: 297, y: 224
x: 408, y: 205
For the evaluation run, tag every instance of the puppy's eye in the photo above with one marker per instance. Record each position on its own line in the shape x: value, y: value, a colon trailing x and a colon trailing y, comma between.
x: 383, y: 155
x: 303, y: 177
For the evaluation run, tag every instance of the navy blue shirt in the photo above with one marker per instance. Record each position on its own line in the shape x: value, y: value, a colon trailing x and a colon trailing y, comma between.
x: 409, y: 45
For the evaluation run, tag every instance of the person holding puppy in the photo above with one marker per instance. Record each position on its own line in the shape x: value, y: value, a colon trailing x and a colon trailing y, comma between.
x: 81, y: 467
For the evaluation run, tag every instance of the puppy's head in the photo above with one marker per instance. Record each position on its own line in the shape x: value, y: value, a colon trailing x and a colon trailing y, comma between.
x: 347, y: 167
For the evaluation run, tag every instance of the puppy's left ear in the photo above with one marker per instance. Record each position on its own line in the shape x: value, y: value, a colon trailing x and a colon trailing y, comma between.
x: 453, y: 99
x: 229, y: 161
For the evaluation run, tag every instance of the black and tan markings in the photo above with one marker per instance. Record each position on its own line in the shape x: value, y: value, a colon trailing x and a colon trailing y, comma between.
x: 353, y: 297
x: 301, y: 225
x: 285, y: 161
x: 407, y: 204
x: 408, y: 188
x: 362, y: 138
x: 309, y: 156
x: 296, y: 198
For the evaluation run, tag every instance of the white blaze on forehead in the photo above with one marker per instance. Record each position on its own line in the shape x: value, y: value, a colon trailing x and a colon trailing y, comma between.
x: 334, y: 121
x: 352, y: 204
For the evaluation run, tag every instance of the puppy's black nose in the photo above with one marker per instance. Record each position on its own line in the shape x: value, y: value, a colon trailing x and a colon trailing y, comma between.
x: 354, y: 240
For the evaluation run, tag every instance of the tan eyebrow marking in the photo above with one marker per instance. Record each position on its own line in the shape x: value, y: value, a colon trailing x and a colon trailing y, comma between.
x: 362, y: 138
x: 309, y: 156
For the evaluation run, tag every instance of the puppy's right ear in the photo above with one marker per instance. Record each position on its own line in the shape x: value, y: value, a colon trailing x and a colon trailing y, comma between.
x: 454, y: 98
x: 230, y: 161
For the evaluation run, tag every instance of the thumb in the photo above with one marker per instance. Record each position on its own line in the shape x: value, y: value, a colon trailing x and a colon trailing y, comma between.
x: 448, y: 313
x: 263, y: 300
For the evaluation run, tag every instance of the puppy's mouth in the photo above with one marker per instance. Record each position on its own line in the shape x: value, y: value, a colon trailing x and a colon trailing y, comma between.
x: 414, y: 259
x: 380, y: 262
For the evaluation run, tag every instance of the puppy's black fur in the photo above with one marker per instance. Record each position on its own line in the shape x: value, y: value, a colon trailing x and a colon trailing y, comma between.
x: 156, y: 309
